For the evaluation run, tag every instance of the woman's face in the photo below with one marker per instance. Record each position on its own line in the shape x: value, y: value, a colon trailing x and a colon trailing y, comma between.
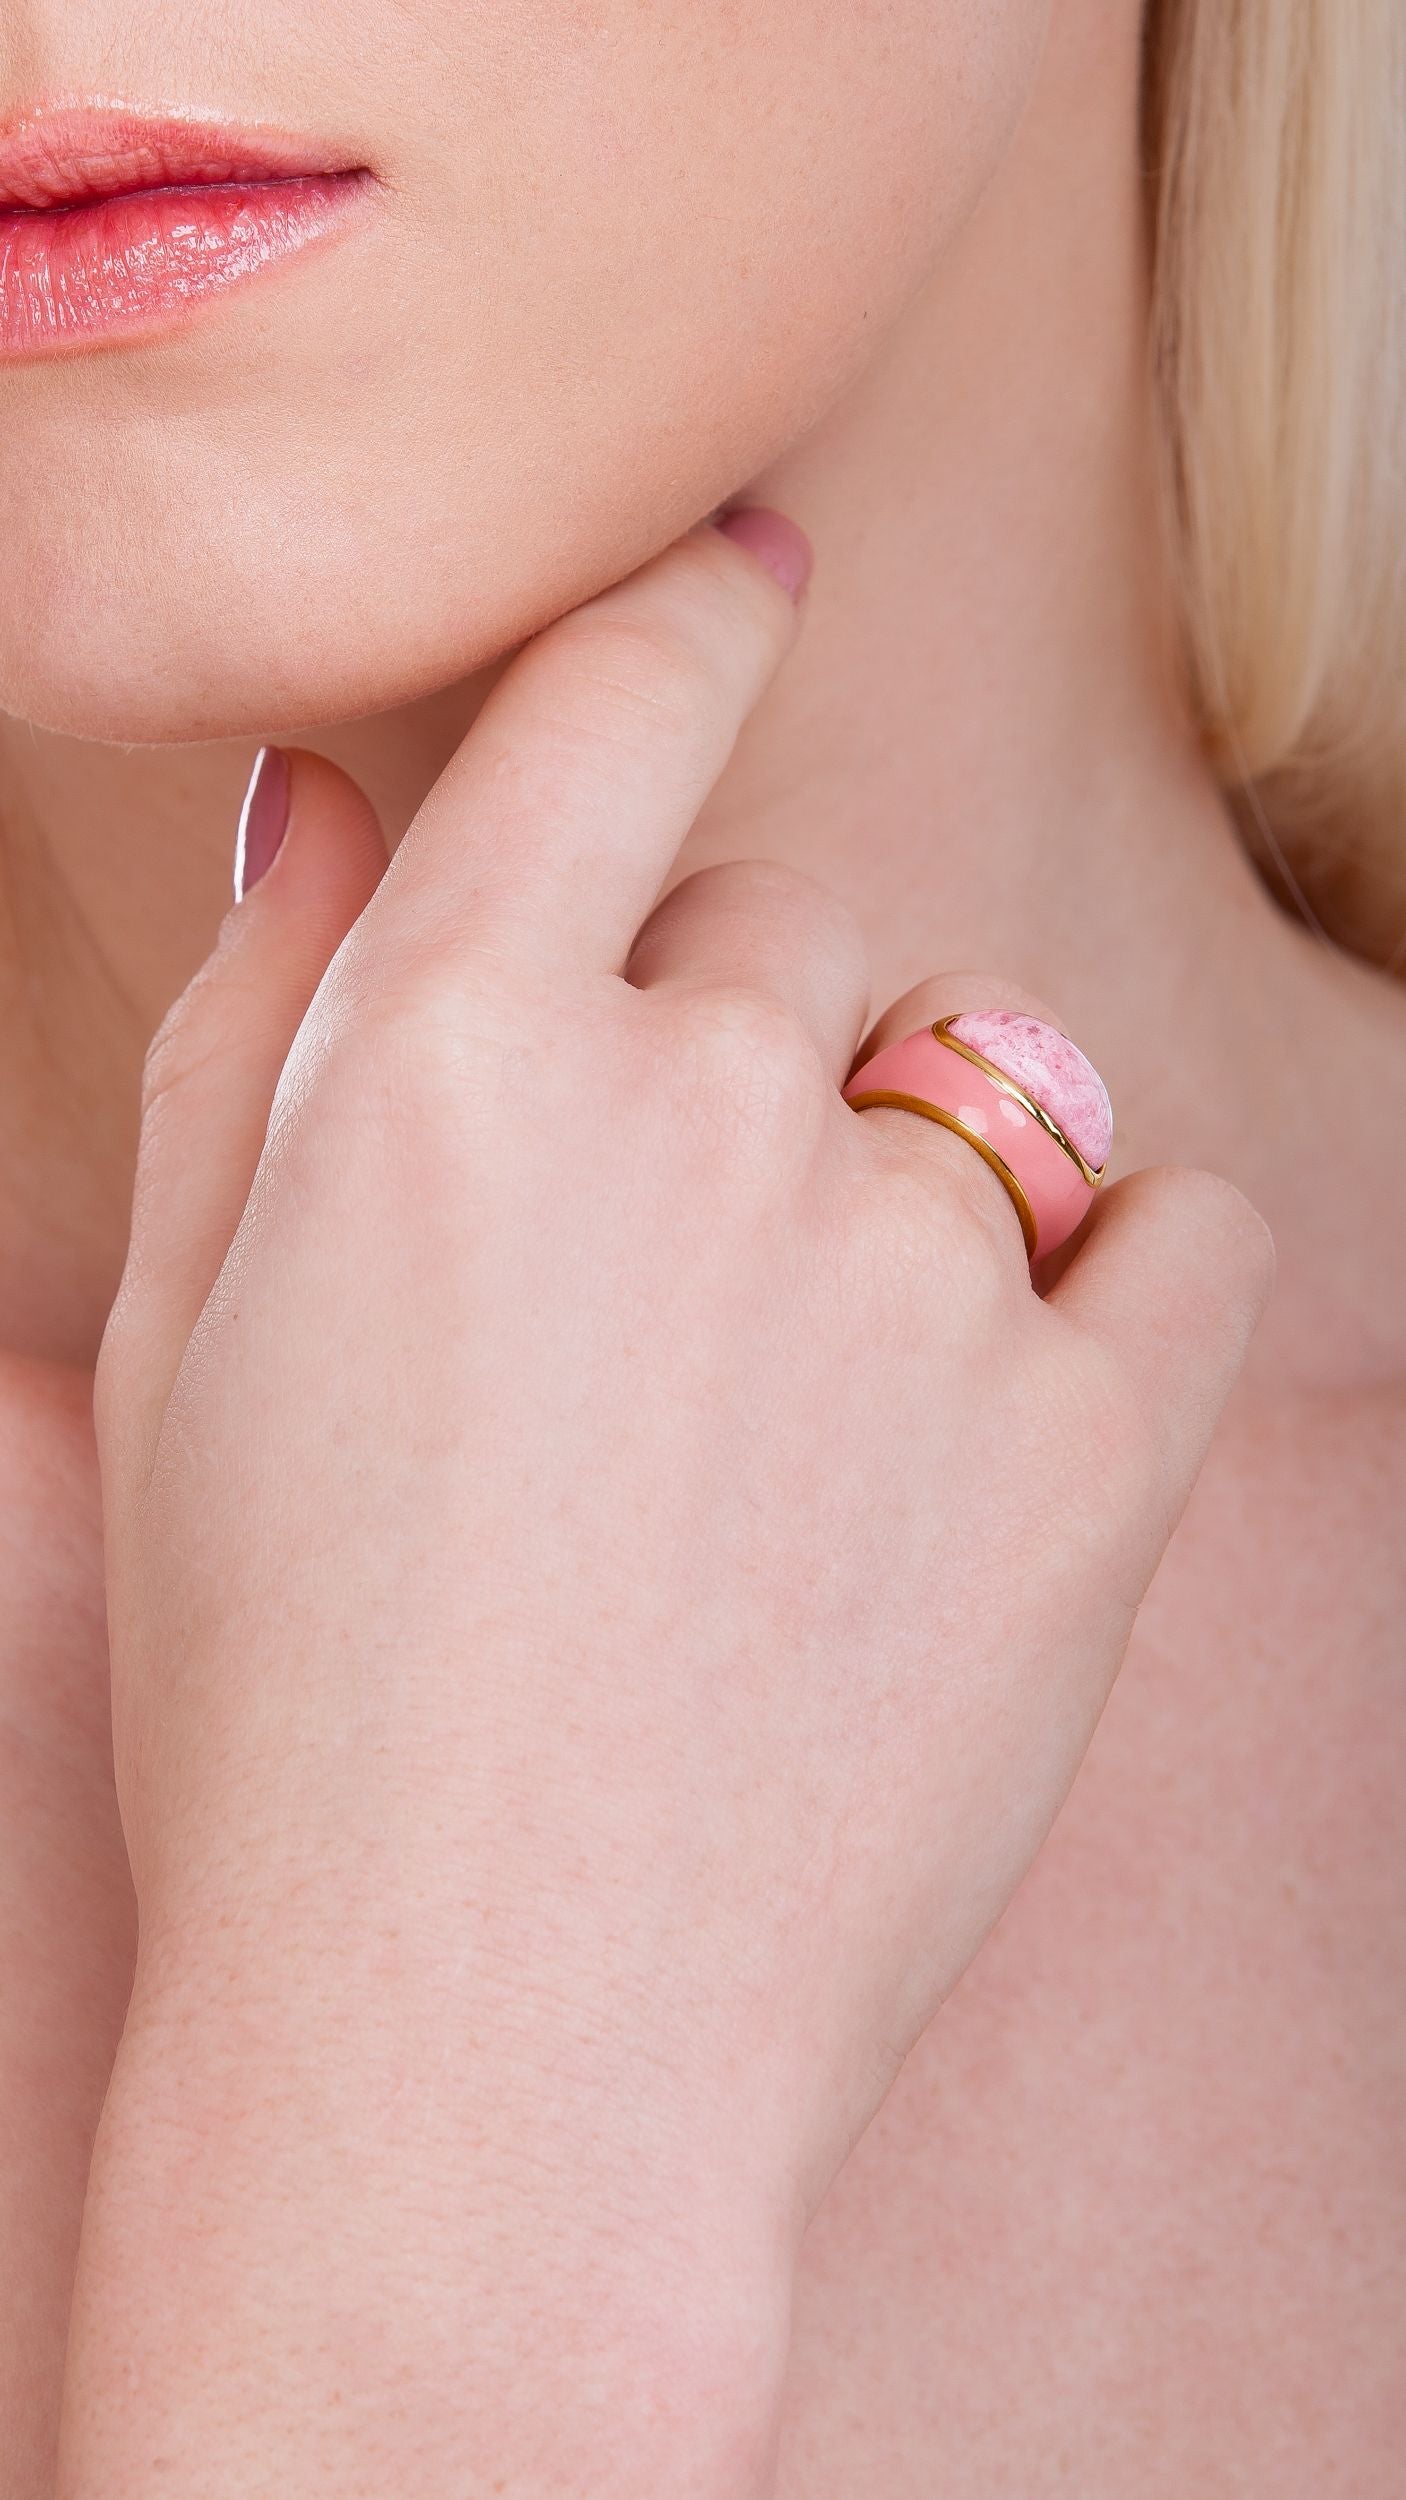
x: 615, y: 256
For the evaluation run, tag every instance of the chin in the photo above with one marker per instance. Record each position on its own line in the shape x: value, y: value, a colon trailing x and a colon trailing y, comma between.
x: 106, y: 674
x: 141, y: 644
x: 189, y: 613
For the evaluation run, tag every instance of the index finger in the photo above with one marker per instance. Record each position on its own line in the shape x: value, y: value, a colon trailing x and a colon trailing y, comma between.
x: 550, y: 832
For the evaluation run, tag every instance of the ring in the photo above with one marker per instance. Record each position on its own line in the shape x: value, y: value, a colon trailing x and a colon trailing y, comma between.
x: 1032, y: 1105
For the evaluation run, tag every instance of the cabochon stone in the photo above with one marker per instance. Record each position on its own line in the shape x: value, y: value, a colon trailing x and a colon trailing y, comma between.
x: 1048, y: 1067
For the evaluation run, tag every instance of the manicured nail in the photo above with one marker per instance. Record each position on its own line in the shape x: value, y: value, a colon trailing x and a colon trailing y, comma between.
x: 263, y: 820
x: 774, y: 541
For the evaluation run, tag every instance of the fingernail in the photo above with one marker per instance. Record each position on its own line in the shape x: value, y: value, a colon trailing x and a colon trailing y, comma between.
x: 774, y: 541
x: 263, y: 820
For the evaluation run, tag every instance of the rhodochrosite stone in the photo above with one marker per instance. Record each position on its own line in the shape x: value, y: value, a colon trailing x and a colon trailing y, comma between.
x: 1047, y: 1066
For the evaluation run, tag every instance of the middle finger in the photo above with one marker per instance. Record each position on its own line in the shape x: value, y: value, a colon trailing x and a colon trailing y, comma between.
x: 761, y: 925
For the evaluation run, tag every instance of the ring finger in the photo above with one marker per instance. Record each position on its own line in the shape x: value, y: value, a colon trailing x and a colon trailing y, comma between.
x: 1011, y: 1091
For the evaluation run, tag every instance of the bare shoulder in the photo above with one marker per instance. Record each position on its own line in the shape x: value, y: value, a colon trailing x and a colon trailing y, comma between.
x: 1138, y: 2201
x: 1323, y: 1473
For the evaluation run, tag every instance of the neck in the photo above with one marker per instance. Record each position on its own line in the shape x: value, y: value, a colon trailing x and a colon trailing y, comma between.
x: 979, y: 743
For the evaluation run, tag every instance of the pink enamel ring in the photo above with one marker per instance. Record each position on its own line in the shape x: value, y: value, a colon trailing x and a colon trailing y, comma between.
x: 1032, y: 1105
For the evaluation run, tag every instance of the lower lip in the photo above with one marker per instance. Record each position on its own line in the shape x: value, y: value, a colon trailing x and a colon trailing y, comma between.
x: 72, y: 278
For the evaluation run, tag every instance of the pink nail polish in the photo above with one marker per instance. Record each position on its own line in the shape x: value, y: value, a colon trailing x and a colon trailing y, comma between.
x: 263, y: 820
x: 774, y: 541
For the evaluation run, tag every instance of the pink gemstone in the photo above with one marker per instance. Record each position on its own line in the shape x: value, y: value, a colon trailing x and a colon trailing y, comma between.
x: 1046, y: 1066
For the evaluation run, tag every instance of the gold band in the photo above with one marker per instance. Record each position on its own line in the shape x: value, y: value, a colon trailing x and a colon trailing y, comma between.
x: 1007, y: 1085
x: 949, y: 1119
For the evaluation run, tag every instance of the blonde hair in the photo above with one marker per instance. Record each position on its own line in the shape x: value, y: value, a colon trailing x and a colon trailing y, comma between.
x: 1276, y: 146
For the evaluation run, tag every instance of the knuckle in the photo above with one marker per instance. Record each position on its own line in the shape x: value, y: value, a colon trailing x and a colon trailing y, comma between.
x: 417, y: 1020
x: 406, y: 1053
x: 774, y: 892
x: 363, y: 1072
x: 748, y: 1066
x: 194, y: 1035
x: 739, y: 1030
x: 425, y: 1006
x: 415, y: 1062
x: 173, y: 1052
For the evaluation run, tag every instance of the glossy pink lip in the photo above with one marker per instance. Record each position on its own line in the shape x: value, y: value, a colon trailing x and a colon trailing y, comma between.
x: 115, y: 223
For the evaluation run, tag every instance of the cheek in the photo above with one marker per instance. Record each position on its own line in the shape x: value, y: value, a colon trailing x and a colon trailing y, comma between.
x: 674, y: 185
x: 626, y: 254
x: 705, y: 214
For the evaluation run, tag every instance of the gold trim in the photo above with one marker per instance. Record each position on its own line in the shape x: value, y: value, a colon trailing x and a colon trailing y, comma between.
x: 1007, y: 1085
x: 988, y: 1154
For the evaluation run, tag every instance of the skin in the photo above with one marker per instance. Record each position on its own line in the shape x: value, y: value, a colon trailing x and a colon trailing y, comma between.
x: 626, y: 1811
x: 586, y: 231
x: 949, y: 396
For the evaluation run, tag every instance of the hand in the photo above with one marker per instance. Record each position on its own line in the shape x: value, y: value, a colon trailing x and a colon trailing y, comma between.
x: 612, y: 1568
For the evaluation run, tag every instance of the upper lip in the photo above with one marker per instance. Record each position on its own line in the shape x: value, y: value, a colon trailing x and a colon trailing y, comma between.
x: 58, y: 157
